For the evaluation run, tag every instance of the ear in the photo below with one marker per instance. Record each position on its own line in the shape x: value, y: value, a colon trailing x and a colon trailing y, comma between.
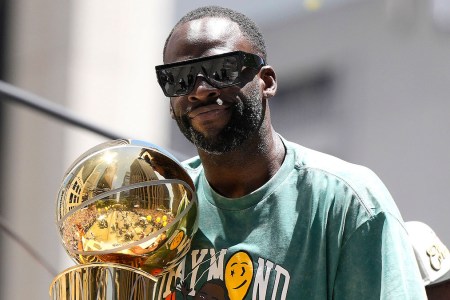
x: 269, y: 78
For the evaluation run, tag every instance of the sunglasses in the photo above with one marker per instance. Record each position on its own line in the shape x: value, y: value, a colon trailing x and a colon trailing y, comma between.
x: 223, y: 70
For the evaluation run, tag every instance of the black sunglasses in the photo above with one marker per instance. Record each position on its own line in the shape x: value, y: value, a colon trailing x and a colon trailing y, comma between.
x: 223, y: 70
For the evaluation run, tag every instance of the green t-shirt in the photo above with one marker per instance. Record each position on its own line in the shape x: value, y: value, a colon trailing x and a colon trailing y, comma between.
x: 321, y: 228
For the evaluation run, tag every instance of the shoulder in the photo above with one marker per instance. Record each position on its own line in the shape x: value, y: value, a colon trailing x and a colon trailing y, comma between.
x: 326, y: 171
x: 306, y: 158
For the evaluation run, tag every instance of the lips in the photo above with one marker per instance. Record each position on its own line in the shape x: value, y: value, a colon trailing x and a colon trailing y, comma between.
x: 206, y: 109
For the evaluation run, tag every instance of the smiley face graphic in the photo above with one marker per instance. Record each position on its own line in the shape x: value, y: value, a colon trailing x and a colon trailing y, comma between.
x: 178, y: 238
x: 238, y: 275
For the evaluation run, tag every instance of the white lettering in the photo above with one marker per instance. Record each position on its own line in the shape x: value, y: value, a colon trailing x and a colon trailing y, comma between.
x: 281, y: 271
x: 261, y: 279
x: 216, y: 264
x: 170, y: 278
x: 195, y: 264
x: 180, y: 270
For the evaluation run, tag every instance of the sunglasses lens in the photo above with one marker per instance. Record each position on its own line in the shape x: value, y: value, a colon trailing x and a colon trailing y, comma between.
x: 222, y: 71
x: 177, y: 81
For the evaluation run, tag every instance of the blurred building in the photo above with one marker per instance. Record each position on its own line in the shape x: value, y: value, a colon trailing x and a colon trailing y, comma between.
x: 365, y: 80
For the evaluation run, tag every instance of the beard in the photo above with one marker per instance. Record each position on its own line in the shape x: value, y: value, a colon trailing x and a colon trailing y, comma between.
x: 246, y: 119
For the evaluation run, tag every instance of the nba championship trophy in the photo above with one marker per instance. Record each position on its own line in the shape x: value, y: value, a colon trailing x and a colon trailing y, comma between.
x: 126, y: 212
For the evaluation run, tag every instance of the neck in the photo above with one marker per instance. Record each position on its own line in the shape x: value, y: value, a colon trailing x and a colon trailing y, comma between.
x: 239, y: 172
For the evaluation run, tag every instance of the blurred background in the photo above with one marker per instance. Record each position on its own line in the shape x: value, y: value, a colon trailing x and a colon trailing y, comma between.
x: 365, y: 80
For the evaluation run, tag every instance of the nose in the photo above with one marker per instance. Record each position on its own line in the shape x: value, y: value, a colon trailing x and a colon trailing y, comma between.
x: 203, y: 90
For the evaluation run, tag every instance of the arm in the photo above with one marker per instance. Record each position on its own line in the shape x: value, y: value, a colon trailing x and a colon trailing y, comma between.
x: 377, y: 262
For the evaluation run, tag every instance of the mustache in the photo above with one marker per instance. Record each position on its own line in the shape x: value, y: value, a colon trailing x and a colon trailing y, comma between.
x: 218, y: 101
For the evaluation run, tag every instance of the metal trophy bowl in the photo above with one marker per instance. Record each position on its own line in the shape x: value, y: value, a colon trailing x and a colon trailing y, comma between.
x: 126, y: 212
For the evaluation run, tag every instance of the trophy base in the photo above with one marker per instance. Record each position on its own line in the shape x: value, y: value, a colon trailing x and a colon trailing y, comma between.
x: 102, y: 281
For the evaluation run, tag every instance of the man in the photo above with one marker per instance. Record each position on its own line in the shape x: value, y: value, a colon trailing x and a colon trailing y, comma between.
x: 277, y: 220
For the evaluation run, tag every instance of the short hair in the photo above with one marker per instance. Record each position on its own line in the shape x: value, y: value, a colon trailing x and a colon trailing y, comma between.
x: 248, y: 28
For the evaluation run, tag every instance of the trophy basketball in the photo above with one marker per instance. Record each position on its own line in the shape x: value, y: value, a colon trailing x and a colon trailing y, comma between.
x: 126, y: 213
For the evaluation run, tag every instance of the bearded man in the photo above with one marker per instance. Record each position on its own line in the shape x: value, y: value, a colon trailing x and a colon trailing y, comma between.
x: 277, y: 220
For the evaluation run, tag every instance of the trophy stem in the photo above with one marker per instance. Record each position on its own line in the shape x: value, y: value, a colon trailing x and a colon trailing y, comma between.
x: 103, y: 281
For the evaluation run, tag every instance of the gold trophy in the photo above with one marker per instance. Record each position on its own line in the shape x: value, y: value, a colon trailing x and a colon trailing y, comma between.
x: 126, y: 212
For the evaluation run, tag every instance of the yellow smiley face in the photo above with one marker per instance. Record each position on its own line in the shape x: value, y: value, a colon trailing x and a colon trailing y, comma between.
x: 238, y: 275
x: 177, y: 240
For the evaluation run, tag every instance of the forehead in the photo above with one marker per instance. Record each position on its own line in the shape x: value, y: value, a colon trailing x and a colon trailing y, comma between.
x: 205, y: 37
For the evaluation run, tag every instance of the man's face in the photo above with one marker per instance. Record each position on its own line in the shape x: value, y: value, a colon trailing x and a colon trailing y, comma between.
x: 211, y: 291
x: 212, y: 127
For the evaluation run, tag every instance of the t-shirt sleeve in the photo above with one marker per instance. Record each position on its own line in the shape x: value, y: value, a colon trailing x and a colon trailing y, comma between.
x: 377, y: 262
